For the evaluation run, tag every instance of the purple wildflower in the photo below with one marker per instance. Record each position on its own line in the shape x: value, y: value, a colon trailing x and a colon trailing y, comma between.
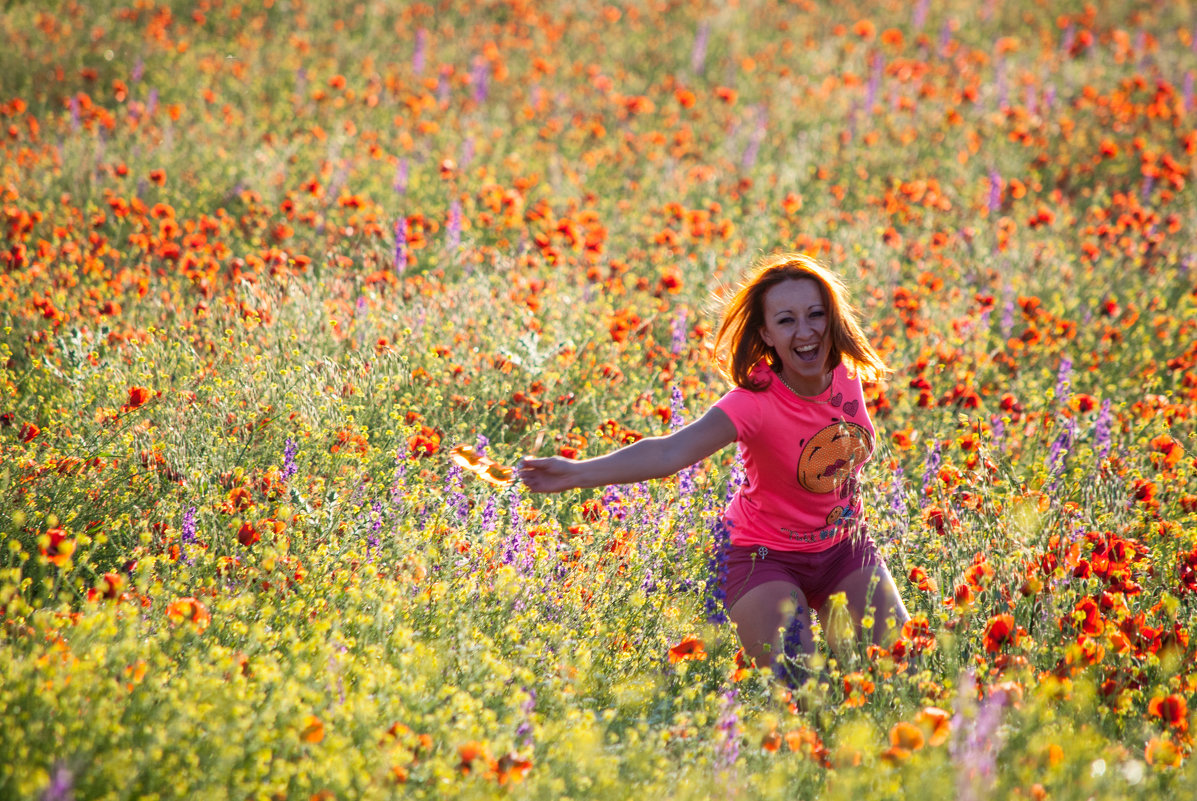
x: 758, y: 136
x: 467, y: 152
x: 138, y: 70
x: 290, y: 450
x: 480, y: 80
x: 1003, y: 91
x: 1060, y: 448
x: 974, y: 748
x: 698, y: 55
x: 1101, y: 430
x: 995, y: 191
x: 878, y: 67
x: 188, y: 535
x: 373, y: 540
x: 1064, y: 380
x: 677, y: 332
x: 649, y: 585
x: 151, y: 103
x: 377, y: 513
x: 945, y: 38
x: 61, y: 786
x: 74, y: 112
x: 998, y: 434
x: 717, y: 572
x: 735, y: 478
x: 490, y: 515
x: 524, y: 730
x: 458, y: 502
x: 676, y: 406
x: 933, y: 462
x: 791, y: 648
x: 516, y: 545
x: 613, y: 502
x: 1008, y: 316
x: 897, y: 495
x: 1187, y: 91
x: 453, y: 228
x: 401, y: 177
x: 420, y: 52
x: 729, y: 726
x: 400, y: 474
x: 1069, y: 39
x: 400, y: 245
x: 919, y: 17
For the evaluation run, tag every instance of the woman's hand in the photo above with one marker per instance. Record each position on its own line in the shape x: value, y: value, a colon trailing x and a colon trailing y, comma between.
x: 548, y: 474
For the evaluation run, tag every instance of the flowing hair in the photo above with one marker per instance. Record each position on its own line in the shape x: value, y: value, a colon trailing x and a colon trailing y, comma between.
x: 739, y: 347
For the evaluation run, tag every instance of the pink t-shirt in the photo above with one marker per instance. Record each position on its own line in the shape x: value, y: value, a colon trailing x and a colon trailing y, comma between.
x: 802, y: 458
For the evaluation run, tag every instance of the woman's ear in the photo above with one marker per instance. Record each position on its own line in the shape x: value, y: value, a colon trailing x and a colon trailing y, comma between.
x: 763, y: 333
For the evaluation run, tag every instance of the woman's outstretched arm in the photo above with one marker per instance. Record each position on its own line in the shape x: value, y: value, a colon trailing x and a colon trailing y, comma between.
x: 652, y: 457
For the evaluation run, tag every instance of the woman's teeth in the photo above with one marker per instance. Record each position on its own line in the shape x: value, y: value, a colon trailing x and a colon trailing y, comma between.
x: 807, y: 355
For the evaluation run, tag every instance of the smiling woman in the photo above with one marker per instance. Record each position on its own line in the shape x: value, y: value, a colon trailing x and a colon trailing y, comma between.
x: 797, y: 536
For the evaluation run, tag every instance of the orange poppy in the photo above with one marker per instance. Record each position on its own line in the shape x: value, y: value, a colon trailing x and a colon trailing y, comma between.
x: 313, y: 730
x: 481, y: 465
x: 936, y: 723
x: 191, y: 610
x: 906, y: 736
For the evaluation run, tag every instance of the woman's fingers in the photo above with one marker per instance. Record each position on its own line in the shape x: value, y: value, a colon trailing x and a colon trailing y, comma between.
x: 544, y: 474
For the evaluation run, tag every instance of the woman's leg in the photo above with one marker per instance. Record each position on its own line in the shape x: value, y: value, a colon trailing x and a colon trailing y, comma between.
x: 770, y: 618
x: 871, y: 590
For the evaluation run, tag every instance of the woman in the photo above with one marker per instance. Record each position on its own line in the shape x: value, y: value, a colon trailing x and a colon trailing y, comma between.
x: 790, y: 342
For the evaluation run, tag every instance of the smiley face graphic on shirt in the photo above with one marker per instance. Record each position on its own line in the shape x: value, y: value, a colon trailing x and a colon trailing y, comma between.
x: 831, y: 456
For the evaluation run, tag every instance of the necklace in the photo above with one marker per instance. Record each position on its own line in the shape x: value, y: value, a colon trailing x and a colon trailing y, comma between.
x: 808, y: 398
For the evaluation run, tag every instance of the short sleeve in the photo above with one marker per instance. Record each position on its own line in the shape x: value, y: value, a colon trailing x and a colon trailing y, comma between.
x: 743, y: 406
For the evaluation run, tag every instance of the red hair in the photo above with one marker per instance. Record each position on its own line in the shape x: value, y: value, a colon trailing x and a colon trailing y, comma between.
x: 738, y: 344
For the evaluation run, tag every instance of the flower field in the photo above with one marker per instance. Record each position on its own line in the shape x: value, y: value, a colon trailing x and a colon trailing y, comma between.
x: 285, y: 285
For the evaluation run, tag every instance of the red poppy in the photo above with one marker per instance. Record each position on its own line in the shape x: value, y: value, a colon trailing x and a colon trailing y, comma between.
x: 57, y: 547
x: 426, y: 442
x: 247, y: 535
x: 688, y: 649
x: 1001, y: 631
x: 29, y: 432
x: 1172, y: 709
x: 471, y: 752
x: 138, y: 396
x: 512, y: 769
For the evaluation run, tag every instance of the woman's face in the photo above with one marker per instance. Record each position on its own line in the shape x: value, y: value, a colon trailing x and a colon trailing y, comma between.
x: 796, y: 328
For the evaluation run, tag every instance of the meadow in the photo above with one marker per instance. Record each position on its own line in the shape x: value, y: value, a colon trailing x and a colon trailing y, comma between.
x: 266, y: 267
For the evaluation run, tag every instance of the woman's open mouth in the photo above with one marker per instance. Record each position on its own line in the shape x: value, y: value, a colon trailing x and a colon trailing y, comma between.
x: 807, y: 354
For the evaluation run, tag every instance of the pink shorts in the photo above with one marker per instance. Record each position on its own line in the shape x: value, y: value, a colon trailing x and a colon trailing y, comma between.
x: 816, y: 573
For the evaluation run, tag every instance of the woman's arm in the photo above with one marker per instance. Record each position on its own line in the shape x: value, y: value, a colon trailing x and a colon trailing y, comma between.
x: 652, y: 457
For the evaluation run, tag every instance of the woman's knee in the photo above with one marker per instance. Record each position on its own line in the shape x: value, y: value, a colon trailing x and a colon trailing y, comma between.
x: 772, y: 618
